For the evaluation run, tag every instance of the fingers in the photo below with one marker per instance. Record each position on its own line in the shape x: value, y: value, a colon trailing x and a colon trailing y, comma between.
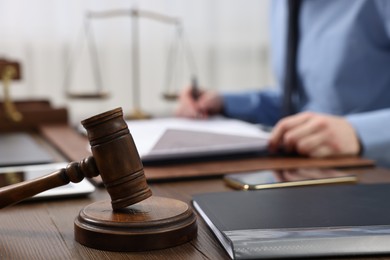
x: 188, y: 106
x: 210, y: 103
x: 308, y: 144
x: 305, y: 136
x: 206, y: 104
x: 186, y: 109
x: 315, y: 135
x: 303, y: 133
x: 279, y: 137
x: 322, y: 151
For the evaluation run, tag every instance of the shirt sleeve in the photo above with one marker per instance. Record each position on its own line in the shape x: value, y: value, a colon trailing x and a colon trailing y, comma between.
x: 373, y: 131
x: 262, y: 107
x: 384, y: 9
x: 373, y: 127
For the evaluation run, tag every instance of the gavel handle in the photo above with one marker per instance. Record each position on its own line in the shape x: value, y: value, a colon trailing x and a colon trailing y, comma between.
x: 12, y: 194
x: 74, y: 172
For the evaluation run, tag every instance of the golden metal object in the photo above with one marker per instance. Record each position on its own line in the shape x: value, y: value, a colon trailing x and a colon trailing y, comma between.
x: 10, y: 110
x: 137, y: 114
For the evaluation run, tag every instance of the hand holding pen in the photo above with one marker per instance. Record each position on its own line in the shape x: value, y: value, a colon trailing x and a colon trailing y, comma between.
x: 197, y: 103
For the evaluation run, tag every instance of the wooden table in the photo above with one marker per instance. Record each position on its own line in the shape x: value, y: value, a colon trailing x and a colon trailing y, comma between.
x: 44, y: 229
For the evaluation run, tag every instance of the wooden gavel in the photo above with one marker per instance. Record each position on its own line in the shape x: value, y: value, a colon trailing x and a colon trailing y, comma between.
x: 138, y: 221
x: 115, y: 158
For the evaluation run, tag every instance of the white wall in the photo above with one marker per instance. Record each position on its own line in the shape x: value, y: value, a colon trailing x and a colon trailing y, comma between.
x: 228, y: 38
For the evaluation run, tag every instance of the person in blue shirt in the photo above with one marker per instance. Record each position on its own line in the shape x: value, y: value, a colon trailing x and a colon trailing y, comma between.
x: 343, y: 66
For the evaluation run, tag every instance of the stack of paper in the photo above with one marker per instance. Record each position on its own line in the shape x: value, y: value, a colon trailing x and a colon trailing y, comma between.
x: 175, y: 138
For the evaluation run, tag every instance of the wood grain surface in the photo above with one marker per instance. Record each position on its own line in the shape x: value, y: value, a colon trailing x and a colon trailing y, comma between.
x: 44, y: 229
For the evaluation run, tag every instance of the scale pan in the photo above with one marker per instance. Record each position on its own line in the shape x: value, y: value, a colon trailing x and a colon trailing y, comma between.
x: 170, y: 96
x: 86, y: 95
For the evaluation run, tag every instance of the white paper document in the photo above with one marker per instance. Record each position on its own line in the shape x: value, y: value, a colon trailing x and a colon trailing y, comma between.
x: 176, y: 138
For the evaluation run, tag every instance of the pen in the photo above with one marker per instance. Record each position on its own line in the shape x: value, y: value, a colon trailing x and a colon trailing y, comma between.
x: 195, y: 93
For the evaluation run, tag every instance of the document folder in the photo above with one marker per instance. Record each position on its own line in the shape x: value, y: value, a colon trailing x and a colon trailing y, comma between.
x: 334, y: 220
x: 175, y: 139
x: 176, y: 144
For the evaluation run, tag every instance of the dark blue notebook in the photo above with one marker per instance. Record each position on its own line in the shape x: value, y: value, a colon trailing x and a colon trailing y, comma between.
x: 299, y: 222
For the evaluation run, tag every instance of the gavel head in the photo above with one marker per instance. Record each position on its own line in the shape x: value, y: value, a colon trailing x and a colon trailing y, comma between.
x: 117, y: 158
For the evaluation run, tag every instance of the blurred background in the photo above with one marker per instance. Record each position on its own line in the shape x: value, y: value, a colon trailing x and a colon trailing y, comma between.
x: 228, y: 40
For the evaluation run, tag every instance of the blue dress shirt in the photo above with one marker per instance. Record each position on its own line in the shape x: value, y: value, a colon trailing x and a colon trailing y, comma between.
x: 343, y: 65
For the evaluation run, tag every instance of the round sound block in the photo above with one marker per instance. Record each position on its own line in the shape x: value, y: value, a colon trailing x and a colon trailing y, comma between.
x: 154, y: 223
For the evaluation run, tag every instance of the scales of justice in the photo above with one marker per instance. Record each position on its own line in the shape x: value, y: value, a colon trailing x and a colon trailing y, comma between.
x: 133, y: 220
x: 179, y: 47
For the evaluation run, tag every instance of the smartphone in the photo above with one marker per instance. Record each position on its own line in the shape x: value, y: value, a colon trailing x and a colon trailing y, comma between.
x: 266, y: 179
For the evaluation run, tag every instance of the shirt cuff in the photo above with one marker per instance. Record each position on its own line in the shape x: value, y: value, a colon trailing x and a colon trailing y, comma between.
x: 372, y: 130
